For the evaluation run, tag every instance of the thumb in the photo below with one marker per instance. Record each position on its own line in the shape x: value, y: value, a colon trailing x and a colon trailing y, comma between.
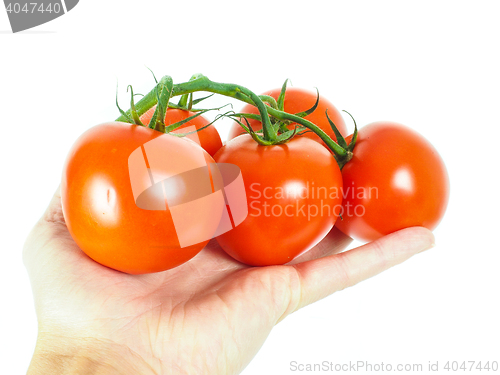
x: 50, y: 226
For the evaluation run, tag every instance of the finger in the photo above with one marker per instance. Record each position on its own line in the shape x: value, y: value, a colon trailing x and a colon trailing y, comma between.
x: 322, y: 277
x: 334, y: 243
x: 51, y: 220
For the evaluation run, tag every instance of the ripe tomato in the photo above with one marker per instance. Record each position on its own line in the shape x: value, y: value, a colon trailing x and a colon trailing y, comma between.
x: 293, y: 196
x: 114, y: 205
x: 299, y: 100
x: 395, y: 180
x: 209, y: 137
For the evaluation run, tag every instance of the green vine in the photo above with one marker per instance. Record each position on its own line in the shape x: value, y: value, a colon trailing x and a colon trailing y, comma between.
x: 274, y: 119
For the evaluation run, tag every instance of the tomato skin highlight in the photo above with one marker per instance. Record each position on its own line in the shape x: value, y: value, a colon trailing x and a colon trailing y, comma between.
x: 100, y: 210
x: 299, y: 100
x: 395, y: 180
x: 279, y: 180
x: 209, y: 137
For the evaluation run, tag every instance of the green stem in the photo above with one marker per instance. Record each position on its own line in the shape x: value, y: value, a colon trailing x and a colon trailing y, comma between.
x: 202, y: 83
x: 183, y: 101
x: 269, y: 100
x: 233, y: 91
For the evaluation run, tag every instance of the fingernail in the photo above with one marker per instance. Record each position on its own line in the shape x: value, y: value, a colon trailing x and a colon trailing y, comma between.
x: 429, y: 247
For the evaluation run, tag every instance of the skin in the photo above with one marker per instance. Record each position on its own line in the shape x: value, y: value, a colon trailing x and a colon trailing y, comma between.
x: 208, y: 316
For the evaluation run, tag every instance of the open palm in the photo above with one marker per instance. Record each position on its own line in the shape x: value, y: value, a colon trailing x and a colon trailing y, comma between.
x: 208, y: 316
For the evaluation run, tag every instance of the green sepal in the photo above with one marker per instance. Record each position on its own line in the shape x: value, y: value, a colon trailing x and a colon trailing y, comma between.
x: 286, y: 136
x: 283, y: 126
x: 123, y: 113
x: 306, y: 130
x: 281, y: 98
x: 340, y: 139
x: 152, y: 122
x: 190, y: 103
x: 276, y: 126
x: 247, y: 128
x: 354, y: 135
x: 310, y: 110
x: 196, y: 101
x: 251, y: 116
x: 176, y: 106
x: 174, y: 126
x: 260, y: 140
x: 197, y: 130
x: 156, y: 81
x: 133, y: 111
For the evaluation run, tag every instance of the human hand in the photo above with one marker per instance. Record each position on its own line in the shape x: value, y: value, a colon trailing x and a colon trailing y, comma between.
x: 208, y: 316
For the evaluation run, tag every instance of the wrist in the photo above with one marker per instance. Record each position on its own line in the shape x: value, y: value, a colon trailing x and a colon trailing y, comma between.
x: 82, y: 355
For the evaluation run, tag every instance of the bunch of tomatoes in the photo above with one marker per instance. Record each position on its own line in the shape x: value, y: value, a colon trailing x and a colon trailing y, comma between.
x: 130, y: 187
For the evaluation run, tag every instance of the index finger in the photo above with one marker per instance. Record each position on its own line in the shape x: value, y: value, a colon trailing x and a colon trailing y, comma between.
x: 322, y: 277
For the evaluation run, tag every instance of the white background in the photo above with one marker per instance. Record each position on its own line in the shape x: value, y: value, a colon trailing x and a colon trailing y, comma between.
x: 432, y: 65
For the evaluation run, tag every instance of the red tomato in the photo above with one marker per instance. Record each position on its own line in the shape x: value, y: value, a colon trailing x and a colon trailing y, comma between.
x: 299, y: 100
x: 112, y: 205
x: 293, y: 196
x: 395, y: 180
x: 209, y: 137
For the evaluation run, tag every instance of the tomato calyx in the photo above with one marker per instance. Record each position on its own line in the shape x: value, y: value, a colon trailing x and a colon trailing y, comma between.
x: 281, y: 120
x: 162, y: 93
x: 280, y: 126
x: 341, y: 140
